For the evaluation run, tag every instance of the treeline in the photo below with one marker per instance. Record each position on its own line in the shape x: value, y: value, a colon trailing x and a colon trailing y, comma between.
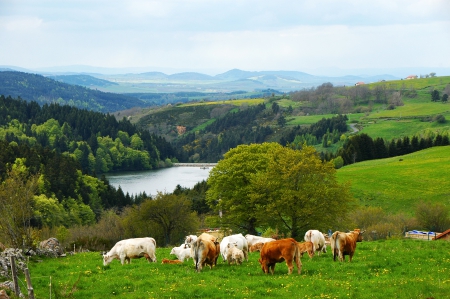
x: 97, y: 141
x: 362, y: 147
x: 43, y: 90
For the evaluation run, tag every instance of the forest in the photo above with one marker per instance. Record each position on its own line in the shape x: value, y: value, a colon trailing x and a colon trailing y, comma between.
x: 43, y: 90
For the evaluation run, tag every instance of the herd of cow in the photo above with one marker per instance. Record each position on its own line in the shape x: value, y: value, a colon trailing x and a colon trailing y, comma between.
x: 205, y: 249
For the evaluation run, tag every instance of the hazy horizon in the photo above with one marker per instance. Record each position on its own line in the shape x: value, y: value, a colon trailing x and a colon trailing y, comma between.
x: 317, y: 37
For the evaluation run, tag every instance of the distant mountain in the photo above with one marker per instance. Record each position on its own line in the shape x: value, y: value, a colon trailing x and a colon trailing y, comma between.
x: 82, y: 80
x: 32, y: 87
x: 190, y: 76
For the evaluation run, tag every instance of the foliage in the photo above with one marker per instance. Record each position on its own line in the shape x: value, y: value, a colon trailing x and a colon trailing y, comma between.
x: 16, y: 203
x: 99, y: 142
x: 391, y: 268
x: 270, y: 185
x: 434, y: 216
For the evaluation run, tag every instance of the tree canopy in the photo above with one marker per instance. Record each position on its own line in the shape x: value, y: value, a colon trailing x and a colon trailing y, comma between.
x: 266, y: 185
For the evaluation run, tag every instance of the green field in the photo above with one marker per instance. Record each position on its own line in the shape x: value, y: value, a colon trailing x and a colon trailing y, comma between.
x: 397, y: 183
x: 380, y: 269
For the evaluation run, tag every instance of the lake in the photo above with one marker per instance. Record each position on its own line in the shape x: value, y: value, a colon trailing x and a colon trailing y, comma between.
x: 164, y: 180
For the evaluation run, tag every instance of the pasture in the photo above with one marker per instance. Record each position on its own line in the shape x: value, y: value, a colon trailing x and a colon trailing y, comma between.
x: 397, y: 184
x: 380, y: 269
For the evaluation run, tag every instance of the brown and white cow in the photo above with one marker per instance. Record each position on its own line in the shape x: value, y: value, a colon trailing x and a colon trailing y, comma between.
x: 306, y: 247
x: 256, y: 247
x: 343, y: 244
x: 205, y: 251
x: 278, y: 251
x: 234, y: 254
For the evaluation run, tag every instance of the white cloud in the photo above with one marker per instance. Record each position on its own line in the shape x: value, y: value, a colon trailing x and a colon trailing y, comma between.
x: 219, y: 34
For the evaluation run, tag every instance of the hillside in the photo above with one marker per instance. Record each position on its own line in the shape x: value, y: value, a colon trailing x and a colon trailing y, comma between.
x: 397, y: 184
x: 32, y: 87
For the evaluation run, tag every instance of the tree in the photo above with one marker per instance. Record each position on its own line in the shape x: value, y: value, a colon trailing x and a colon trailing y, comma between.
x: 230, y: 185
x: 172, y: 215
x: 445, y: 98
x: 433, y: 216
x: 268, y: 185
x: 16, y: 205
x: 435, y: 97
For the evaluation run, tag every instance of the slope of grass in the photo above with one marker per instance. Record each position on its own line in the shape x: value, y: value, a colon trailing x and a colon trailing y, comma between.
x: 396, y: 184
x: 380, y: 269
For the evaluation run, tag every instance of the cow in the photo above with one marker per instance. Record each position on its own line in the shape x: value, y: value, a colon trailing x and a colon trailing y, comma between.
x: 279, y: 251
x: 306, y: 247
x: 240, y: 241
x: 234, y: 254
x: 343, y: 244
x: 318, y: 240
x: 190, y: 239
x: 252, y: 239
x: 167, y: 261
x: 205, y: 252
x: 256, y: 247
x: 128, y: 249
x: 182, y: 252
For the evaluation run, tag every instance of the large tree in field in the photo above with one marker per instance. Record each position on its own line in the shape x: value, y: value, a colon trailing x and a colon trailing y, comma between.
x: 230, y: 185
x: 269, y: 185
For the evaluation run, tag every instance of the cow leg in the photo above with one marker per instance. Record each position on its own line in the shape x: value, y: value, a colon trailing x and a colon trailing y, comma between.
x: 299, y: 264
x: 272, y: 268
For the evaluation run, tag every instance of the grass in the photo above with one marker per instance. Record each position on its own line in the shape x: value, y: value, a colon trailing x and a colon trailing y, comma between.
x: 380, y: 269
x: 395, y: 184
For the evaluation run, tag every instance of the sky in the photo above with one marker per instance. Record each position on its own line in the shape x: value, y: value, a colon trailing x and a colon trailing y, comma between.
x: 214, y: 36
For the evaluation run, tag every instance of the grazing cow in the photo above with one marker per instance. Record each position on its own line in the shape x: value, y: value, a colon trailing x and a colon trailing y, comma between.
x: 167, y: 261
x: 318, y: 240
x: 252, y: 239
x: 343, y: 244
x: 234, y: 254
x: 256, y: 247
x: 240, y: 241
x: 205, y: 252
x: 306, y: 247
x: 279, y: 251
x: 128, y: 249
x: 182, y: 252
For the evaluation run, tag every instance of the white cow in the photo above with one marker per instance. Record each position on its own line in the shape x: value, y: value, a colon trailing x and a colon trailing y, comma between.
x: 128, y: 249
x: 190, y: 239
x: 182, y: 252
x: 234, y: 254
x: 252, y: 239
x: 318, y: 240
x: 241, y: 243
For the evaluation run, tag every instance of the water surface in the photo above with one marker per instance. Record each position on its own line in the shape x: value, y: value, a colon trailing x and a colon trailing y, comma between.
x: 164, y: 180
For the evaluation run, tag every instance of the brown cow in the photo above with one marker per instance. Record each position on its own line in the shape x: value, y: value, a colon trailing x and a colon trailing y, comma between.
x: 256, y: 247
x: 167, y: 261
x: 278, y: 251
x: 306, y: 247
x: 206, y: 252
x: 343, y: 244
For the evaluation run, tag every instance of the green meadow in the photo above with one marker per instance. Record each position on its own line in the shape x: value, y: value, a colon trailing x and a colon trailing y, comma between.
x: 380, y: 269
x: 397, y: 183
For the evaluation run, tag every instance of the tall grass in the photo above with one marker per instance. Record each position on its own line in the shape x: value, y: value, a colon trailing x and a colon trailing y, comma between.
x: 380, y: 269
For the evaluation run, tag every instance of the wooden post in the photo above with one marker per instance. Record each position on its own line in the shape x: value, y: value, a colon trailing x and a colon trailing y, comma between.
x: 14, y: 276
x: 29, y: 286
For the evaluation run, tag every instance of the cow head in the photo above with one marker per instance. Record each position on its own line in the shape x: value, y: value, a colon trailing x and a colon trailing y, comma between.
x: 107, y: 259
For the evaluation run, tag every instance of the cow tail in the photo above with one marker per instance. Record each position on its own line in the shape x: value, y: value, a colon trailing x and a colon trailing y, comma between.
x: 297, y: 260
x: 335, y: 249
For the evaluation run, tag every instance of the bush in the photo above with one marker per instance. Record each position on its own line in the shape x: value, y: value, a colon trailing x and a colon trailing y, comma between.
x: 439, y: 119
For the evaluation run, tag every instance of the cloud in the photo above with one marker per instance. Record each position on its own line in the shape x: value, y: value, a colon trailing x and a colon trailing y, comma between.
x: 219, y: 34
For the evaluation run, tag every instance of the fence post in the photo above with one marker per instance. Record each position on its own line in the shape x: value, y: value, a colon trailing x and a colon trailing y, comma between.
x: 29, y: 286
x: 14, y: 276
